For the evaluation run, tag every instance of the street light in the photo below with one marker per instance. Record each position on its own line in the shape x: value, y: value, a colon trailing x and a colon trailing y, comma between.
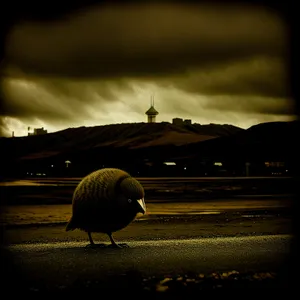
x: 67, y: 162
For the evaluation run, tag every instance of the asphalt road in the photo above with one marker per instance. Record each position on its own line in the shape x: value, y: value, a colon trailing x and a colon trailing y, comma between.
x: 62, y: 264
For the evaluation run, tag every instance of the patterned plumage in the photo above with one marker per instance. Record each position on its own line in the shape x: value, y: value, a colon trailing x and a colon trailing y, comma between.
x: 106, y: 201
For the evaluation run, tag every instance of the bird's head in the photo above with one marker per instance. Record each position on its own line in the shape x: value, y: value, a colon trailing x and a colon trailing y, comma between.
x: 132, y: 195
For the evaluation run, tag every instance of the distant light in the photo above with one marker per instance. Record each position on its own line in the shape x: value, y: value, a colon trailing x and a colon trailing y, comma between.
x: 38, y: 174
x: 286, y: 170
x: 44, y: 174
x: 67, y: 162
x: 218, y: 164
x: 170, y: 163
x: 52, y: 166
x: 27, y: 173
x: 31, y: 173
x: 185, y: 168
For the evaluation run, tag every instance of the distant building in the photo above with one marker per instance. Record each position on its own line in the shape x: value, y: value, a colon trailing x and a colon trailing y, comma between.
x: 180, y: 121
x: 37, y: 131
x: 151, y: 112
x: 177, y: 121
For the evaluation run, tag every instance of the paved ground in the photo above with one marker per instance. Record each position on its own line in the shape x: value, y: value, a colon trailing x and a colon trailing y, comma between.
x: 169, y: 254
x: 178, y: 247
x: 63, y: 266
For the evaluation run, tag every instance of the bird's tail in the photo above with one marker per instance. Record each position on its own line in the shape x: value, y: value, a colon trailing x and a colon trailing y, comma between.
x: 70, y: 225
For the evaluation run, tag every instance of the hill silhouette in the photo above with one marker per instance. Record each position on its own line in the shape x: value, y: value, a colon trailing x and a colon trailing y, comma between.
x: 132, y: 135
x: 272, y: 140
x: 139, y: 146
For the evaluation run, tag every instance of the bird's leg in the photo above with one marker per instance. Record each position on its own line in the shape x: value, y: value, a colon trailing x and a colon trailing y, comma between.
x: 92, y: 244
x: 90, y: 238
x: 114, y: 244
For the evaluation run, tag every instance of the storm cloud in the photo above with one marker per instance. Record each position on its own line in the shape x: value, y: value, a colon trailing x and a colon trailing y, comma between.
x: 141, y: 39
x: 258, y: 76
x: 221, y: 64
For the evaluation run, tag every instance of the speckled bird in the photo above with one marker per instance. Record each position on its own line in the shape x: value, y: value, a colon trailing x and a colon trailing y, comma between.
x: 107, y: 200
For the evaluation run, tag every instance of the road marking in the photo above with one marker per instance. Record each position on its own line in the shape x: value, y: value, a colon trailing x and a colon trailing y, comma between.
x: 159, y: 243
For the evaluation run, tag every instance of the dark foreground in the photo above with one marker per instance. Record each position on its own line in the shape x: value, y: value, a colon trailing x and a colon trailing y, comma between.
x: 169, y: 255
x: 152, y: 267
x: 180, y: 248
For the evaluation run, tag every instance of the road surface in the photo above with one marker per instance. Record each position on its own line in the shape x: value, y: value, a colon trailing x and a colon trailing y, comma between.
x: 63, y: 264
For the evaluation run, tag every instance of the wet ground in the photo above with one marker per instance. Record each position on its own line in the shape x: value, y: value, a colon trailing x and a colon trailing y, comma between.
x: 175, y: 250
x: 60, y: 213
x: 185, y: 244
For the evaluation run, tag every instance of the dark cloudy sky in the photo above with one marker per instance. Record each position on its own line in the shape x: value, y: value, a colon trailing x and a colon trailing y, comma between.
x: 212, y: 64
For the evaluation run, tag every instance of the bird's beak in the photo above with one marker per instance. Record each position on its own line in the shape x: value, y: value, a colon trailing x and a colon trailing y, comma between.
x: 142, y: 206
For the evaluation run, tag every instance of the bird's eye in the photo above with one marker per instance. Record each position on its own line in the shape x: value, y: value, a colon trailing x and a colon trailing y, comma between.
x: 129, y: 200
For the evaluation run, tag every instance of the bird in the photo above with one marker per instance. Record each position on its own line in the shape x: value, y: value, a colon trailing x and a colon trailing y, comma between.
x: 105, y: 201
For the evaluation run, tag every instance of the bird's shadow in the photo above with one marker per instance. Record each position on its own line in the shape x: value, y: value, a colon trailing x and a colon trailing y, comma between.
x: 107, y: 246
x: 101, y: 247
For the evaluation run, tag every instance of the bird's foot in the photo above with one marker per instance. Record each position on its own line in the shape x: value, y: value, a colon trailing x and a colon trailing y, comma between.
x: 121, y: 245
x: 95, y: 246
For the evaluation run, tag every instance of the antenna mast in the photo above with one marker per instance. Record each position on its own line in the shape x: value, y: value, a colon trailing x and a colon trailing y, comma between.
x: 152, y: 100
